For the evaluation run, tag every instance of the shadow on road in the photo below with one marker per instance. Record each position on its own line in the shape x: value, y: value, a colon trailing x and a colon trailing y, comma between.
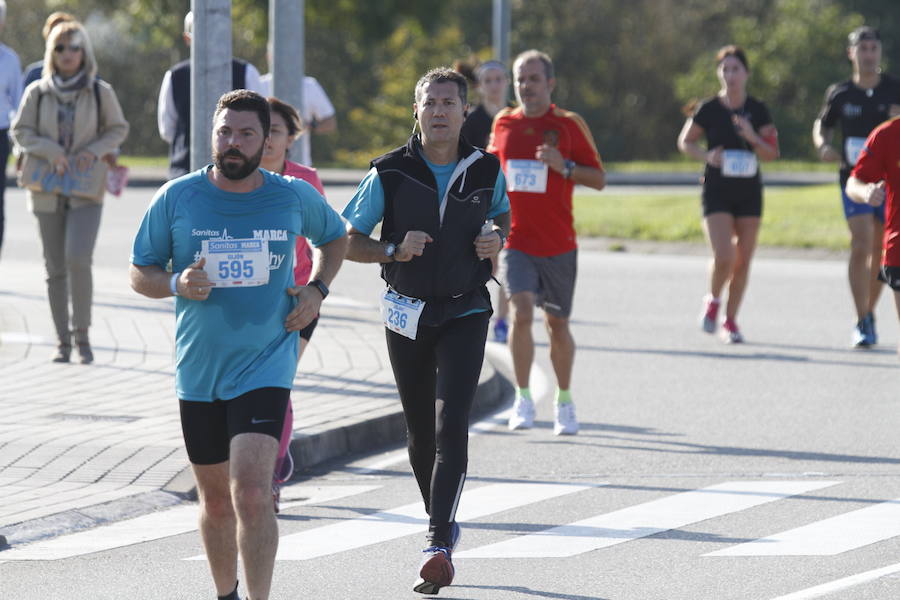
x: 518, y: 589
x: 689, y: 448
x: 773, y: 356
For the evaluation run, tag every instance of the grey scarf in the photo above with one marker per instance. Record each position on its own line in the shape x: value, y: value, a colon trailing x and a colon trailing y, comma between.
x: 67, y: 89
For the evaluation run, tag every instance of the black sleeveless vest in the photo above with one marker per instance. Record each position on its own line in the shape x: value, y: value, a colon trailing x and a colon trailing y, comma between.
x: 449, y: 267
x: 180, y: 150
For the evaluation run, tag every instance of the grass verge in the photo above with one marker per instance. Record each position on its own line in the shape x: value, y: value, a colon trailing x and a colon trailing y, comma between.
x: 145, y: 161
x: 686, y: 165
x: 796, y: 217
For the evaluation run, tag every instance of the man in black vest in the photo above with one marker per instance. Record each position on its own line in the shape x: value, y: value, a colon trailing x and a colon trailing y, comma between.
x: 173, y: 113
x: 445, y: 214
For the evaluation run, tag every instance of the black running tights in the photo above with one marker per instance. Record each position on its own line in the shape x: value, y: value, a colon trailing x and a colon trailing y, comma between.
x: 437, y: 375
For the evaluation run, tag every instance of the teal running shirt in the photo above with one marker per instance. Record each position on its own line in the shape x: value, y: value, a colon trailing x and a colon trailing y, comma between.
x: 234, y: 341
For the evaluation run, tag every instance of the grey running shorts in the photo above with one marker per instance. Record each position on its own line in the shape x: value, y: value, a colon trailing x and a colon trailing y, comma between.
x: 550, y: 278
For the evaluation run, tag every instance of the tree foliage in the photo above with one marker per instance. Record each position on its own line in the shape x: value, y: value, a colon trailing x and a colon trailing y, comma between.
x: 796, y: 48
x: 627, y: 66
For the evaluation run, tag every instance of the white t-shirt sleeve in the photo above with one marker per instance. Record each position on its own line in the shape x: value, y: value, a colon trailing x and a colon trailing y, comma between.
x: 252, y: 80
x: 318, y: 106
x: 265, y: 85
x: 166, y: 117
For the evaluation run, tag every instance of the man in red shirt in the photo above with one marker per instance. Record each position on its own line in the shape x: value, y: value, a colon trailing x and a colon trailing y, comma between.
x: 544, y: 151
x: 874, y: 179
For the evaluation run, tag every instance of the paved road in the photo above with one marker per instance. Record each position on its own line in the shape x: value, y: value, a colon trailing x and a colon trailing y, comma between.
x: 703, y: 471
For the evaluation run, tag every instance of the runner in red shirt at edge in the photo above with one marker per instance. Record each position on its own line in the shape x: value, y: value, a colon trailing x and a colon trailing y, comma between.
x: 875, y: 180
x: 545, y: 151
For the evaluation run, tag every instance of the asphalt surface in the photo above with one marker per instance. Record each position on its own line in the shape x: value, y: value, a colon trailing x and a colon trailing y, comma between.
x: 792, y: 429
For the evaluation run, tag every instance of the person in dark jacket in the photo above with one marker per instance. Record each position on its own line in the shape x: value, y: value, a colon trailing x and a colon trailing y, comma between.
x: 444, y: 215
x: 173, y: 111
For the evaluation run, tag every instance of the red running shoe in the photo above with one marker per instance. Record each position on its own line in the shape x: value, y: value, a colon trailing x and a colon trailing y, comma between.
x: 730, y: 332
x: 436, y: 571
x: 709, y: 314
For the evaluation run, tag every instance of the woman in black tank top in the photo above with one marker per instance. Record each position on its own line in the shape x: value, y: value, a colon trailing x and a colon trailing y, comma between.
x: 739, y: 132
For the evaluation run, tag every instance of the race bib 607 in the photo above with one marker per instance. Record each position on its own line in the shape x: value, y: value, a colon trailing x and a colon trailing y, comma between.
x: 738, y: 163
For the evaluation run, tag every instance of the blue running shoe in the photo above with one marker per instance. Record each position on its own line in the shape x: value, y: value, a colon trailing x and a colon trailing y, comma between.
x: 501, y: 331
x: 869, y: 329
x: 859, y: 339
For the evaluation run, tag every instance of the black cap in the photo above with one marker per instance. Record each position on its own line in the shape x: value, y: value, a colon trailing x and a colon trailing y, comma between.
x: 863, y: 33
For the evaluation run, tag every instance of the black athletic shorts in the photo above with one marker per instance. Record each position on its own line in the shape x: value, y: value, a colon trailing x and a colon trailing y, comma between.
x: 891, y: 276
x: 306, y: 332
x: 743, y: 199
x: 209, y: 426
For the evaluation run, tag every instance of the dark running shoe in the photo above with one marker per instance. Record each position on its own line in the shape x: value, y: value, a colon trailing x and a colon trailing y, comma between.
x: 85, y: 352
x: 63, y: 353
x: 858, y: 338
x: 869, y: 329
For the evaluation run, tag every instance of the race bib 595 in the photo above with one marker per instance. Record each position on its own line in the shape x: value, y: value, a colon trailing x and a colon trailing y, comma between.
x: 236, y: 262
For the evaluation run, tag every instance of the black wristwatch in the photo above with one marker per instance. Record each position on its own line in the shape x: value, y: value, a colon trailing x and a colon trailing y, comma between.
x: 319, y: 285
x: 567, y: 170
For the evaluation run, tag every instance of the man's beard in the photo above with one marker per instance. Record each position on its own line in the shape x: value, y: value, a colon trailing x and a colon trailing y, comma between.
x: 237, y: 171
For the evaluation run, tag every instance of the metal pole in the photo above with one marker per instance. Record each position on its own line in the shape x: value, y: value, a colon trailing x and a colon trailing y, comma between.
x: 210, y: 71
x: 501, y: 22
x: 286, y: 31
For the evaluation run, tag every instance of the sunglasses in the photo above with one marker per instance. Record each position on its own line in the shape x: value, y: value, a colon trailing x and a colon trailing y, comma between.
x: 60, y: 48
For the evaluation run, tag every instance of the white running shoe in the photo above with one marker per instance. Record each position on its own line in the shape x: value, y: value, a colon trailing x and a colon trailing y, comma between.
x: 522, y: 416
x: 565, y: 422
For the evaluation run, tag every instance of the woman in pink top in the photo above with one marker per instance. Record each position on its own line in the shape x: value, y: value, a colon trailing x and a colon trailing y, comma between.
x: 286, y: 126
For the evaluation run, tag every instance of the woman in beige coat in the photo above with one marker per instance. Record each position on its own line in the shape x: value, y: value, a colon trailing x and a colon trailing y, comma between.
x: 72, y: 120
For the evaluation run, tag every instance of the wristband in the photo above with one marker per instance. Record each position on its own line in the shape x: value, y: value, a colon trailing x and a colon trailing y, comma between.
x: 173, y: 283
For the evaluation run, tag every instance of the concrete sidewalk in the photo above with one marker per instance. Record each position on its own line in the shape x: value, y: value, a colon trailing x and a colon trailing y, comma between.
x: 83, y: 445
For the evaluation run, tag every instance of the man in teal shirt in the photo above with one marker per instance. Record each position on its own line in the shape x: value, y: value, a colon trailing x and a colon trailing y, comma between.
x: 229, y: 231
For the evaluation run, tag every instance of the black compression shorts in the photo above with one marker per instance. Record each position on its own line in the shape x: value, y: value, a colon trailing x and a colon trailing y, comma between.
x: 890, y: 276
x: 737, y: 200
x: 209, y: 426
x: 306, y: 332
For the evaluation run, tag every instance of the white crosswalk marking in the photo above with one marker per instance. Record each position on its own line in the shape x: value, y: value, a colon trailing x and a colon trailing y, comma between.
x: 411, y: 519
x: 643, y: 520
x: 827, y: 537
x: 827, y: 589
x: 154, y: 526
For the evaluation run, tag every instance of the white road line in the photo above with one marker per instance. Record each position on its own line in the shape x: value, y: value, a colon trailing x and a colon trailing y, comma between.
x: 154, y: 526
x: 643, y: 520
x: 829, y: 536
x: 411, y: 519
x: 22, y: 337
x: 841, y: 584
